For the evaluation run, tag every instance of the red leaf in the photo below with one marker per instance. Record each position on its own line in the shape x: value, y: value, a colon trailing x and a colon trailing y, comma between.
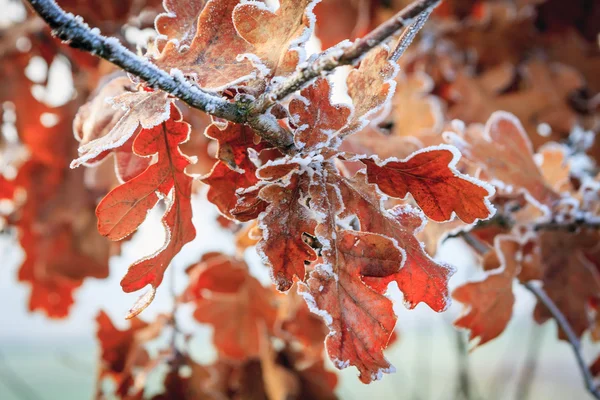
x: 234, y: 172
x: 421, y: 279
x: 361, y: 320
x: 124, y: 209
x: 316, y: 118
x: 435, y: 184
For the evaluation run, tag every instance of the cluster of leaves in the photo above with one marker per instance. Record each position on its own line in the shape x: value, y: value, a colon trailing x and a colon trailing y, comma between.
x: 331, y: 215
x: 248, y: 364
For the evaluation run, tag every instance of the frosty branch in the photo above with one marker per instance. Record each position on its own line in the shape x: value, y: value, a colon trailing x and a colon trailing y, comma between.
x: 74, y: 31
x: 416, y: 12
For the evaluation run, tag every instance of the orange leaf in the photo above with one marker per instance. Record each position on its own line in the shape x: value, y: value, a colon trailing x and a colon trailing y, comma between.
x: 238, y: 311
x: 430, y: 176
x: 505, y: 153
x: 489, y: 303
x: 370, y: 86
x: 277, y: 37
x: 212, y: 55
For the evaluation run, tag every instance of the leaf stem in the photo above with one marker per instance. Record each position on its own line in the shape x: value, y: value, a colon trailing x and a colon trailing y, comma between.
x: 572, y: 338
x: 328, y: 61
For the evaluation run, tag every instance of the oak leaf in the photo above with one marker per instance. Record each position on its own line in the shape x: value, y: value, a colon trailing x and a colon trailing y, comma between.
x: 283, y: 224
x: 142, y: 109
x: 504, y: 152
x: 277, y: 37
x: 489, y: 302
x: 421, y: 279
x: 122, y: 211
x: 370, y: 86
x: 360, y: 319
x: 430, y: 176
x: 233, y: 302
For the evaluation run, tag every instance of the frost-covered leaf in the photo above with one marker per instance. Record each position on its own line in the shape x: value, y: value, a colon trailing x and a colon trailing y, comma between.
x: 317, y: 120
x: 370, y: 86
x: 430, y: 176
x: 504, y: 152
x: 360, y: 319
x: 421, y: 279
x: 179, y: 23
x: 489, y: 302
x: 284, y: 224
x: 211, y: 57
x: 96, y: 119
x: 277, y: 37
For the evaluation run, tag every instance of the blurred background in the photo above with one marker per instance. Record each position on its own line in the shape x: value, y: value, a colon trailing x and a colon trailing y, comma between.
x: 46, y: 359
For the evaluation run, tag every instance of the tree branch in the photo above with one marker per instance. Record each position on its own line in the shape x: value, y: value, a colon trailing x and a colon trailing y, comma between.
x: 350, y: 56
x: 572, y: 338
x: 79, y: 35
x: 571, y: 226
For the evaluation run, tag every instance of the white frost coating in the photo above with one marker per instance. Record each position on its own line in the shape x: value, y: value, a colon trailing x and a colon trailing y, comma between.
x: 263, y: 70
x: 581, y: 139
x: 312, y: 306
x: 456, y: 155
x: 544, y: 129
x: 339, y: 364
x: 458, y: 125
x: 377, y: 376
x: 362, y: 120
x: 125, y: 127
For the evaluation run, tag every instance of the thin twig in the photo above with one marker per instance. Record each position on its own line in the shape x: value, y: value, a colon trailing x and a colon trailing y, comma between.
x: 15, y: 382
x: 409, y: 35
x: 572, y: 338
x: 463, y: 391
x: 526, y: 378
x: 79, y: 35
x: 350, y: 56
